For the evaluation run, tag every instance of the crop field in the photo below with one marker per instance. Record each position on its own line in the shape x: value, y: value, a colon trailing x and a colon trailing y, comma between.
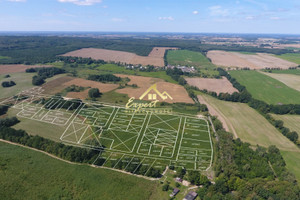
x: 6, y: 69
x: 214, y: 85
x: 156, y: 56
x: 257, y: 61
x: 265, y: 88
x: 148, y: 139
x: 291, y: 80
x: 292, y: 57
x: 177, y: 92
x: 250, y: 126
x: 188, y: 58
x: 49, y: 178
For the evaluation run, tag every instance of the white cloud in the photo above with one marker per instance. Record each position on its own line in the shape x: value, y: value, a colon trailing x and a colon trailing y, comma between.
x: 195, y: 12
x: 117, y: 20
x: 250, y: 17
x: 17, y: 0
x: 81, y: 2
x: 275, y: 18
x: 218, y: 11
x: 166, y: 18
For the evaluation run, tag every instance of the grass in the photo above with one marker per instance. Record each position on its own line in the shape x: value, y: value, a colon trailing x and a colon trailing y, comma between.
x: 114, y: 98
x: 26, y: 174
x: 188, y: 58
x: 265, y: 88
x: 4, y: 57
x: 115, y: 69
x: 290, y: 121
x: 251, y: 127
x: 23, y: 82
x: 292, y: 161
x: 291, y: 80
x: 292, y: 57
x: 37, y: 128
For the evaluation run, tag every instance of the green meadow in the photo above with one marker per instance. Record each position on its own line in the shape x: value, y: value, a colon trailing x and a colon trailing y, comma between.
x: 265, y: 88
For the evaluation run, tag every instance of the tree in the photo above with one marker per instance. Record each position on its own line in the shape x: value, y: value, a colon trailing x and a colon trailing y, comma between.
x: 181, y: 81
x: 38, y: 80
x: 94, y: 93
x: 293, y: 136
x: 8, y: 83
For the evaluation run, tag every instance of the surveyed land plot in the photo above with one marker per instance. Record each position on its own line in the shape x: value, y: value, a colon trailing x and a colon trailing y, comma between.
x: 125, y: 139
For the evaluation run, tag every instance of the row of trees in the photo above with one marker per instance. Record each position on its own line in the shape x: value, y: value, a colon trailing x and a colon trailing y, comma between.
x: 80, y: 60
x: 104, y: 78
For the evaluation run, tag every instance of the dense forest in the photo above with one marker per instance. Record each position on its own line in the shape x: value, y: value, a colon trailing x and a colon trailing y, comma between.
x: 42, y: 49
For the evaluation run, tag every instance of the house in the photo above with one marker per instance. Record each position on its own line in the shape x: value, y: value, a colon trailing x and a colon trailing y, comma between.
x: 178, y: 179
x: 191, y: 196
x: 175, y: 192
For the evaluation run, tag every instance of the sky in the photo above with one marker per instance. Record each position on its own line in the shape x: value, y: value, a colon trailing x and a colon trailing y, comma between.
x: 194, y: 16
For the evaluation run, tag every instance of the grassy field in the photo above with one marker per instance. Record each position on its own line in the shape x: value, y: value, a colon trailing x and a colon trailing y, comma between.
x: 26, y: 174
x: 37, y: 128
x: 251, y: 127
x: 290, y: 121
x: 23, y: 81
x: 291, y: 80
x: 293, y: 57
x: 84, y: 70
x: 188, y: 58
x: 292, y: 160
x: 288, y: 71
x: 265, y: 88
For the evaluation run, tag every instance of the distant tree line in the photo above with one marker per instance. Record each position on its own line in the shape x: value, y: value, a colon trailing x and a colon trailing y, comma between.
x: 8, y: 83
x: 79, y: 60
x: 42, y: 49
x: 104, y: 78
x: 44, y: 73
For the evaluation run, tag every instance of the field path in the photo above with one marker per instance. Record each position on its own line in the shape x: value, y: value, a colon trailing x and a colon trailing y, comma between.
x: 215, y: 111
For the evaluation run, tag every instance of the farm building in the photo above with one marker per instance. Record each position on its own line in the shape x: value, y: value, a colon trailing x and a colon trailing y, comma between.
x: 191, y: 196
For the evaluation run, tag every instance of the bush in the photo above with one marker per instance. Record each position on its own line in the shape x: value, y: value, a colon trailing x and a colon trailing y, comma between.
x: 94, y: 93
x: 38, y: 80
x: 8, y: 83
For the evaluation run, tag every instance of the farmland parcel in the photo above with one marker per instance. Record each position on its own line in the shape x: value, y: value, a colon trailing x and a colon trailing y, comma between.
x: 156, y: 56
x: 255, y: 61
